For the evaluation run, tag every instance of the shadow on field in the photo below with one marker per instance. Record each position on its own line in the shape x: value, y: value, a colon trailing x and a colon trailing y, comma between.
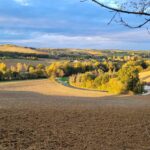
x: 27, y: 99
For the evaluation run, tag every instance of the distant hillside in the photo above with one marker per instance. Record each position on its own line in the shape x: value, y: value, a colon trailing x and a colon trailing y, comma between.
x: 71, y: 51
x: 94, y: 52
x: 14, y: 51
x: 19, y: 49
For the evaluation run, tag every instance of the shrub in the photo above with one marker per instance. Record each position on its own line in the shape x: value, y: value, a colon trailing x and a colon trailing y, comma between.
x: 115, y: 86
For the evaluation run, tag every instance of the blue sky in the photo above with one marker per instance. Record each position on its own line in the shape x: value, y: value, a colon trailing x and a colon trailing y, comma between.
x: 66, y: 24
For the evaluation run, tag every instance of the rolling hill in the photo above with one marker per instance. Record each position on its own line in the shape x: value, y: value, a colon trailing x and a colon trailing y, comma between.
x: 18, y: 49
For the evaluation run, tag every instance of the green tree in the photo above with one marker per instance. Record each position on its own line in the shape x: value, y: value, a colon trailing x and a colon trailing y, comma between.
x: 129, y: 76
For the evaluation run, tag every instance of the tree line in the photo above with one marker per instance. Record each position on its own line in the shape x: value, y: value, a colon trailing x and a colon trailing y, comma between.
x: 21, y: 72
x: 114, y: 77
x: 16, y: 55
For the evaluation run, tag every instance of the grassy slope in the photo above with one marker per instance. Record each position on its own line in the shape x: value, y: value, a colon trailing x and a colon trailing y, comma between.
x: 145, y: 76
x: 19, y: 49
x: 47, y: 87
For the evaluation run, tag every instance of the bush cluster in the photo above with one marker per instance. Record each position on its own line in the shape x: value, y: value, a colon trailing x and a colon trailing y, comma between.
x: 123, y: 81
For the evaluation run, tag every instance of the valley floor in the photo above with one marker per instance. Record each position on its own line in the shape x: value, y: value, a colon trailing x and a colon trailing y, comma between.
x: 42, y: 114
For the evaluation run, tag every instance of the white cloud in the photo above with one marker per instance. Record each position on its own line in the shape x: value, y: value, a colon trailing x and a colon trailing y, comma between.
x: 23, y: 2
x: 120, y: 40
x: 51, y: 40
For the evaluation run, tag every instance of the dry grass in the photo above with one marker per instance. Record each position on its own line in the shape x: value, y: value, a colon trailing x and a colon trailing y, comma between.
x: 145, y: 76
x: 13, y: 48
x: 44, y: 115
x: 48, y: 87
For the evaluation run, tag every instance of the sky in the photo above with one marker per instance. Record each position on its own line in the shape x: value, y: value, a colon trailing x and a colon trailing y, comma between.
x: 67, y: 24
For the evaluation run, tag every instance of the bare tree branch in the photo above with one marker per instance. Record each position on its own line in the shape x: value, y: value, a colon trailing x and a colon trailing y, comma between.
x: 112, y: 18
x: 130, y: 26
x: 141, y: 8
x: 120, y: 10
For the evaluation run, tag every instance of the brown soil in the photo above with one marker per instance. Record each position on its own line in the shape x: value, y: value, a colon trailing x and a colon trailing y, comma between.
x: 44, y: 115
